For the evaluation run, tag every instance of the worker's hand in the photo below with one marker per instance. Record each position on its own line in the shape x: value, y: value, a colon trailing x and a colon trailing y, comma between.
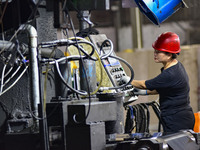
x: 124, y: 80
x: 136, y: 91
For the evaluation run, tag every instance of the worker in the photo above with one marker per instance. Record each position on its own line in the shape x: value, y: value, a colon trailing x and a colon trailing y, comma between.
x: 172, y: 85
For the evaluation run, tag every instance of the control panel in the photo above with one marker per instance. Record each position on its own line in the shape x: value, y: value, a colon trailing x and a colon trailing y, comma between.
x: 112, y: 65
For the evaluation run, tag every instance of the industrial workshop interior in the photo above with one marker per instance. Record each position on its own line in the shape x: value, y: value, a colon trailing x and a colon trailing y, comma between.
x: 68, y: 69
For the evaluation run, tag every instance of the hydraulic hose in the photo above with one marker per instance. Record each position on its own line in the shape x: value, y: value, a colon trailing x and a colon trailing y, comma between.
x: 68, y: 42
x: 111, y: 49
x: 63, y: 80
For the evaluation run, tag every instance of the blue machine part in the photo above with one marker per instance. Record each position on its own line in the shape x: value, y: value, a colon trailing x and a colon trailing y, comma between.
x: 159, y: 10
x: 87, y: 71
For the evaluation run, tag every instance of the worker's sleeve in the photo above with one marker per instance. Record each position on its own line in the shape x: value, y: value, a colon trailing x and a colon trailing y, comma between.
x: 163, y: 80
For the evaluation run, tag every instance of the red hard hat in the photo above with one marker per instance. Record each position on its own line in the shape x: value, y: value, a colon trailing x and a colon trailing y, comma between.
x: 167, y: 42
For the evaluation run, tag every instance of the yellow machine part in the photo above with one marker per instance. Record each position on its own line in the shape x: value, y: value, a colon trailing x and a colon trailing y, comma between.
x: 73, y: 64
x: 72, y: 50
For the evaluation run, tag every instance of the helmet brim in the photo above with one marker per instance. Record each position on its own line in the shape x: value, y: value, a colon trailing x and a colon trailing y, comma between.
x: 165, y: 50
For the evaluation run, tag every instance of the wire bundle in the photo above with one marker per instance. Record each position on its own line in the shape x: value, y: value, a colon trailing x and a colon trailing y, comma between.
x: 138, y: 117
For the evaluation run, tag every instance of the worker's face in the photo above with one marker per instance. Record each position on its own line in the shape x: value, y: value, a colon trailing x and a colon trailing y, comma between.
x: 161, y: 57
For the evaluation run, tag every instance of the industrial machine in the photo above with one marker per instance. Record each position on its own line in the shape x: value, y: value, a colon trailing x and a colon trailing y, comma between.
x: 85, y: 110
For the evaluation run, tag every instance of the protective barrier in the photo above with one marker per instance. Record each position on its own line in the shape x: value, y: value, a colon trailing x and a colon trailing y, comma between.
x: 159, y: 10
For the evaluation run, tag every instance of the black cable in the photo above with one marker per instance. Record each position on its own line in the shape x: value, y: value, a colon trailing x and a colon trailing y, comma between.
x: 85, y: 53
x: 89, y: 96
x: 141, y: 119
x: 160, y: 121
x: 156, y: 109
x: 129, y: 123
x: 136, y: 112
x: 143, y: 123
x: 110, y: 51
x: 87, y: 32
x: 75, y: 75
x: 71, y: 5
x: 63, y: 80
x: 147, y: 116
x: 135, y: 119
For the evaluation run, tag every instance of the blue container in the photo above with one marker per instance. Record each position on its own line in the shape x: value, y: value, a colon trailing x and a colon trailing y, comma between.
x: 159, y: 10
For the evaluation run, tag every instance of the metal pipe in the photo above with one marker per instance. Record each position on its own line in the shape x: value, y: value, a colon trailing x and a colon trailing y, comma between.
x: 84, y: 20
x: 6, y: 45
x: 35, y: 86
x: 34, y: 69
